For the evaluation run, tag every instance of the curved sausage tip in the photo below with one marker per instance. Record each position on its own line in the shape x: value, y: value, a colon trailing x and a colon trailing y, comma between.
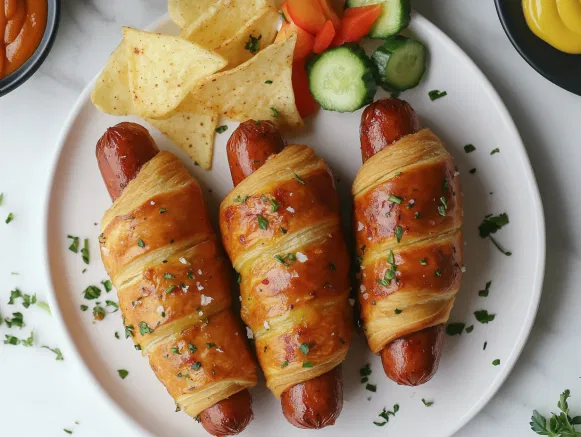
x: 121, y: 152
x: 414, y: 358
x: 316, y: 403
x: 229, y: 416
x: 384, y: 122
x: 250, y: 145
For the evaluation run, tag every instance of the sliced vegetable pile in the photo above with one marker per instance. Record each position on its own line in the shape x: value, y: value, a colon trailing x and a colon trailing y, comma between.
x: 339, y: 75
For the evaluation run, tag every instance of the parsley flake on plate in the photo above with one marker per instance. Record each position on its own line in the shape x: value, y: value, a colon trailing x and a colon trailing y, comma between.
x: 483, y: 317
x: 57, y: 351
x: 253, y: 44
x: 123, y: 373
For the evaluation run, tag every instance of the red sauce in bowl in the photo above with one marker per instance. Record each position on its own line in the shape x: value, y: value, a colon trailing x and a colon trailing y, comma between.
x: 22, y: 25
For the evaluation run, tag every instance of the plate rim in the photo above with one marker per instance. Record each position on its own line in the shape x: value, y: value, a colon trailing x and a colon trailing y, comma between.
x: 537, y: 286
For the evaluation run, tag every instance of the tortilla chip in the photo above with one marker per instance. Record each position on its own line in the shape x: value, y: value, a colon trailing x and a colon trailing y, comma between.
x: 263, y: 26
x: 111, y: 92
x: 222, y: 21
x: 185, y: 12
x: 193, y: 133
x: 259, y: 89
x: 163, y: 70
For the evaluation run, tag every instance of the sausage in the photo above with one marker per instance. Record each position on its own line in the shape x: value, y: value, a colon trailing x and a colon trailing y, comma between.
x: 412, y: 359
x: 229, y: 416
x: 250, y: 146
x: 315, y: 403
x: 383, y: 122
x: 121, y: 152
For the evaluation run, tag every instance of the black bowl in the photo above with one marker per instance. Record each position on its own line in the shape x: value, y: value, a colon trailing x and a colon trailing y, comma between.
x: 560, y: 68
x: 14, y: 80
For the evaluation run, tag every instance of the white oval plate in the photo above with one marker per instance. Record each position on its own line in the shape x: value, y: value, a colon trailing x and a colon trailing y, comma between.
x: 472, y: 112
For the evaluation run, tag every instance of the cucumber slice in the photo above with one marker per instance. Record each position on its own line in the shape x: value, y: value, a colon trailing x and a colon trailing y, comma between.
x: 394, y: 18
x: 342, y: 79
x: 401, y: 63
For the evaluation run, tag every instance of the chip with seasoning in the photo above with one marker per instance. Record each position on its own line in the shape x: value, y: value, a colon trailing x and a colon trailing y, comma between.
x: 185, y: 12
x: 241, y: 93
x: 193, y: 133
x: 163, y: 69
x: 221, y: 21
x: 263, y: 25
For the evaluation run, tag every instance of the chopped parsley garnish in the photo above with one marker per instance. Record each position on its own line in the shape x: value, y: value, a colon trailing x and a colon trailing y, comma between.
x: 137, y: 347
x: 129, y: 331
x: 390, y: 272
x: 286, y: 259
x: 491, y: 224
x: 283, y: 364
x: 298, y: 178
x: 385, y: 415
x: 17, y: 320
x: 110, y: 303
x: 175, y: 350
x: 469, y: 329
x: 144, y: 329
x: 1, y: 198
x: 455, y: 329
x: 427, y: 403
x: 84, y: 307
x: 210, y: 345
x: 196, y: 366
x: 192, y: 348
x: 274, y: 205
x: 221, y: 129
x: 10, y: 339
x: 107, y: 285
x: 274, y: 112
x: 484, y: 293
x: 395, y: 199
x: 162, y: 210
x: 283, y: 230
x: 417, y: 215
x: 305, y: 347
x: 123, y: 373
x: 169, y: 289
x: 253, y: 44
x: 398, y: 311
x: 307, y: 364
x: 497, y: 362
x: 262, y: 222
x: 371, y: 387
x: 140, y: 243
x: 117, y: 335
x: 74, y: 247
x: 168, y: 276
x: 469, y: 148
x: 365, y: 372
x: 239, y: 278
x: 483, y: 317
x: 472, y: 171
x: 398, y: 233
x: 68, y: 431
x: 484, y: 346
x: 239, y: 199
x: 14, y: 294
x: 436, y: 94
x: 497, y: 150
x: 9, y: 218
x: 57, y: 351
x: 438, y: 273
x: 92, y: 292
x: 424, y: 261
x: 99, y: 312
x: 85, y: 251
x: 268, y: 82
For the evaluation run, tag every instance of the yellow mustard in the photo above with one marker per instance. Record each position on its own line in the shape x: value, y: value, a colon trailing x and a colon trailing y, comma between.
x: 557, y: 22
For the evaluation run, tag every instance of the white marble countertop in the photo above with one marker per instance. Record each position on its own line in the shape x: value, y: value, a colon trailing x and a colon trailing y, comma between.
x: 40, y: 396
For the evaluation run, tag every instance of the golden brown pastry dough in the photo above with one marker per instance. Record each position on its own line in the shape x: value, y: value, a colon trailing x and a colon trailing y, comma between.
x: 282, y: 230
x: 173, y: 282
x: 409, y: 285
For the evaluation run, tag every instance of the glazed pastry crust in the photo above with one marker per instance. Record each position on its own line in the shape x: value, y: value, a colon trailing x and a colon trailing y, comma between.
x: 290, y: 206
x: 409, y: 285
x: 173, y: 283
